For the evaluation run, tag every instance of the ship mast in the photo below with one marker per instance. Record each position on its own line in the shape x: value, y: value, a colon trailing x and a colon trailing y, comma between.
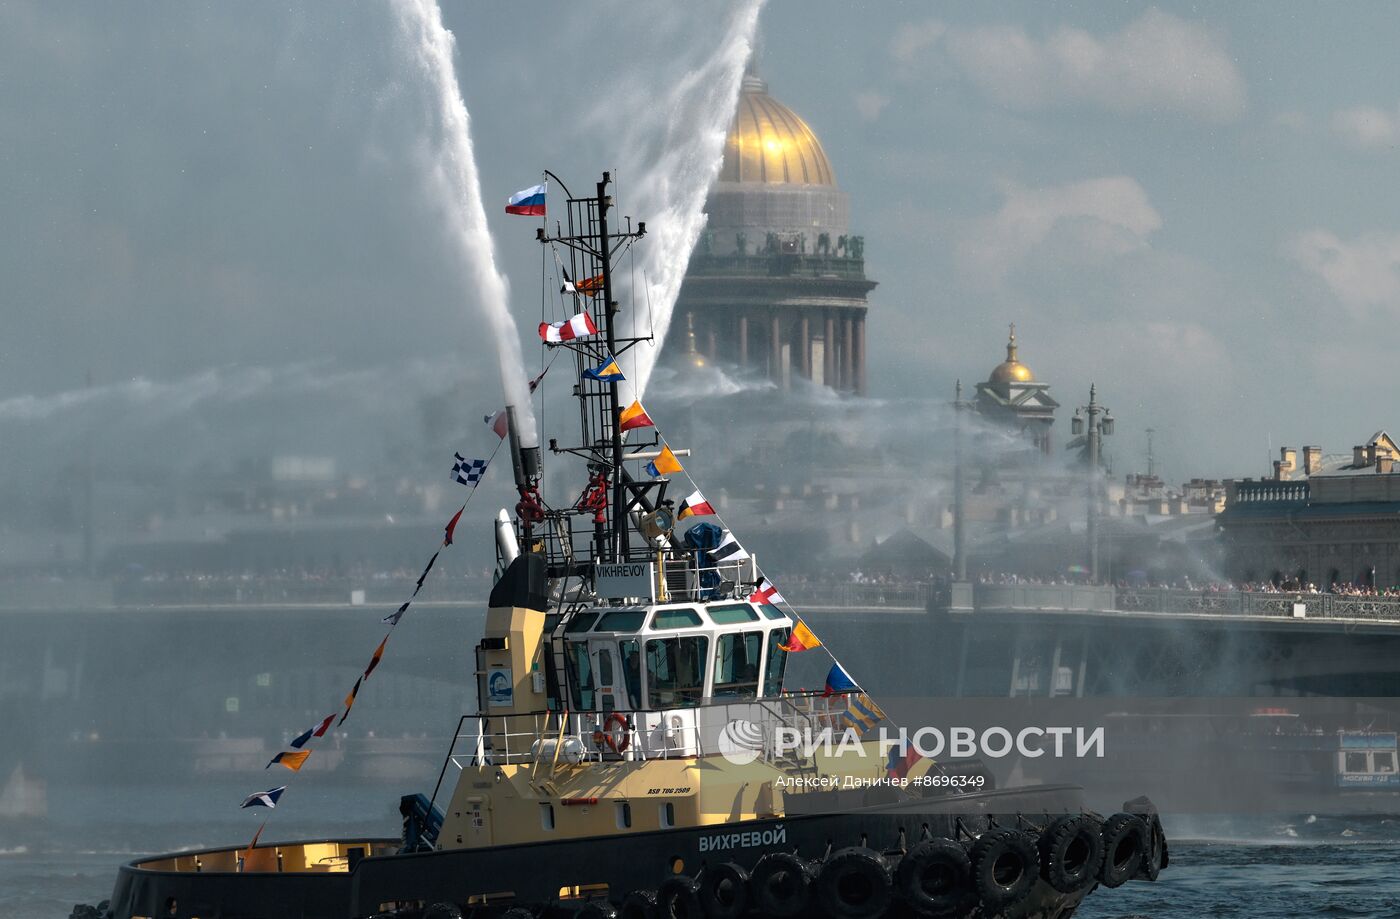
x: 591, y: 245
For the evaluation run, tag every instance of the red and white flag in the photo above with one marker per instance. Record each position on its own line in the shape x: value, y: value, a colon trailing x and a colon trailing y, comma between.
x: 579, y: 326
x: 766, y: 593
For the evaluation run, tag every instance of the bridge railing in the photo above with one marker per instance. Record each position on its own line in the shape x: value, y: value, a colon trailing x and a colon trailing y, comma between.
x: 1257, y: 603
x: 905, y: 595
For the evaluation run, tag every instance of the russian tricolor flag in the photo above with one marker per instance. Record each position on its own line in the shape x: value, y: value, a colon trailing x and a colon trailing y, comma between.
x: 529, y: 203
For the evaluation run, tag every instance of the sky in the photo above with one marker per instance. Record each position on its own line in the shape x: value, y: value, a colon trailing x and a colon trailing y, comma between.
x: 208, y: 207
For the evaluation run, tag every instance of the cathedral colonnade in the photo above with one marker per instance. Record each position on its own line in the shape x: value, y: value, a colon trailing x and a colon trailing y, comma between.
x: 826, y: 346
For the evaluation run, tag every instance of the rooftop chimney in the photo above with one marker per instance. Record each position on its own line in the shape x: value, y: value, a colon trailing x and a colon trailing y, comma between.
x: 1288, y: 462
x: 1312, y: 460
x: 1358, y: 457
x: 1384, y: 462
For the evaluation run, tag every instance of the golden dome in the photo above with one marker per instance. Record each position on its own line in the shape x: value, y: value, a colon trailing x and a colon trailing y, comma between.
x: 768, y: 144
x: 1011, y: 370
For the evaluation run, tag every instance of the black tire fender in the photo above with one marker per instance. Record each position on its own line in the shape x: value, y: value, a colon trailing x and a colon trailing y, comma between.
x: 724, y: 891
x: 1155, y: 859
x: 1005, y: 865
x: 781, y: 885
x: 678, y: 897
x: 935, y: 879
x: 1071, y: 852
x: 854, y: 883
x: 596, y: 909
x: 639, y: 904
x: 1124, y: 845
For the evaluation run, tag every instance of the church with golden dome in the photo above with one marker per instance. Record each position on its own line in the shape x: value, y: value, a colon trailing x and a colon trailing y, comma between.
x: 1013, y: 397
x: 776, y: 284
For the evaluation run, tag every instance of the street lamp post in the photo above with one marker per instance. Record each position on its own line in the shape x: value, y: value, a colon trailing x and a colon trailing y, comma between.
x: 1100, y: 425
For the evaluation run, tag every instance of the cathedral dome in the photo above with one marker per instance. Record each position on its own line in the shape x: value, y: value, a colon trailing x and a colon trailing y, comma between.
x: 768, y: 144
x: 1011, y: 370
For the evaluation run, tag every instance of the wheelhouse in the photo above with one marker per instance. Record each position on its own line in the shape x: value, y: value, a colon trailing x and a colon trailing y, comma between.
x: 670, y: 656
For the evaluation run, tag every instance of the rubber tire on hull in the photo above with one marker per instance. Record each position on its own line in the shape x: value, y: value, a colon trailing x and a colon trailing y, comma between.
x: 442, y: 911
x: 639, y: 904
x: 1071, y: 852
x: 1124, y: 845
x: 596, y: 909
x: 678, y: 897
x: 854, y: 884
x: 1005, y: 865
x: 1155, y: 859
x: 724, y: 891
x: 934, y: 879
x: 781, y: 884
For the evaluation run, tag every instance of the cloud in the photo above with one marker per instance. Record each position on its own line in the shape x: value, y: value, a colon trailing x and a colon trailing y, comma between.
x: 912, y: 39
x: 1156, y: 62
x: 1367, y: 127
x: 871, y: 104
x: 1102, y: 218
x: 1361, y: 273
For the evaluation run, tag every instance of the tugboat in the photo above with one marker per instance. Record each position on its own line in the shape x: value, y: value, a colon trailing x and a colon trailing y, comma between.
x: 625, y: 758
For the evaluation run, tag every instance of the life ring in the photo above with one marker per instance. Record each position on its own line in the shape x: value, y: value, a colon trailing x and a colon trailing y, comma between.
x: 935, y: 879
x: 1004, y: 866
x: 1124, y: 845
x: 782, y: 885
x: 1071, y: 852
x: 616, y: 732
x: 724, y: 891
x: 854, y: 884
x: 678, y: 897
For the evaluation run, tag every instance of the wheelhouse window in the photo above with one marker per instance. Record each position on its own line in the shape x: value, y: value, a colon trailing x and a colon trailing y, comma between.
x: 676, y: 619
x: 580, y: 675
x: 732, y: 614
x: 630, y: 652
x: 737, y: 658
x: 581, y: 622
x: 676, y: 670
x: 627, y: 620
x: 777, y: 662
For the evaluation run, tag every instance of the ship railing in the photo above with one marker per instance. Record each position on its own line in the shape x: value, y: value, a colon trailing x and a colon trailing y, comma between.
x: 774, y: 728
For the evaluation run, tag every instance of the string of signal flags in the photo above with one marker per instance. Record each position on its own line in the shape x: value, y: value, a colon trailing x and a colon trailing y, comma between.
x: 467, y: 472
x: 634, y: 416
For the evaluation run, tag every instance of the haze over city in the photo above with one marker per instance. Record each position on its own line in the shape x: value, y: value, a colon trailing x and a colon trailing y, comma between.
x: 235, y: 201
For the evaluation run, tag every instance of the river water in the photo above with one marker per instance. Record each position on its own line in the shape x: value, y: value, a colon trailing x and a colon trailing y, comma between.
x: 1259, y: 868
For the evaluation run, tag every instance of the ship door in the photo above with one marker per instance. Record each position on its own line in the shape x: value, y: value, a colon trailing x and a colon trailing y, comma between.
x: 608, y: 676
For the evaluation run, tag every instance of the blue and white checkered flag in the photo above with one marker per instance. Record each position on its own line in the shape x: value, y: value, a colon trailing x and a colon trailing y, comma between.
x: 468, y: 472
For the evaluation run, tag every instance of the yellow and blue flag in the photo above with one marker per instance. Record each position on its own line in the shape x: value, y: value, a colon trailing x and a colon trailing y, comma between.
x: 606, y: 372
x: 862, y: 713
x: 665, y: 464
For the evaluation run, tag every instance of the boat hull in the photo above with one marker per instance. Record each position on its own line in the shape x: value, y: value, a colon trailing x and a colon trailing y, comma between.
x: 560, y: 876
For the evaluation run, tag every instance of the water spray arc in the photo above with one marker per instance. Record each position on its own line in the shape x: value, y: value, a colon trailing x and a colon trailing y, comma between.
x: 432, y: 46
x: 670, y: 185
